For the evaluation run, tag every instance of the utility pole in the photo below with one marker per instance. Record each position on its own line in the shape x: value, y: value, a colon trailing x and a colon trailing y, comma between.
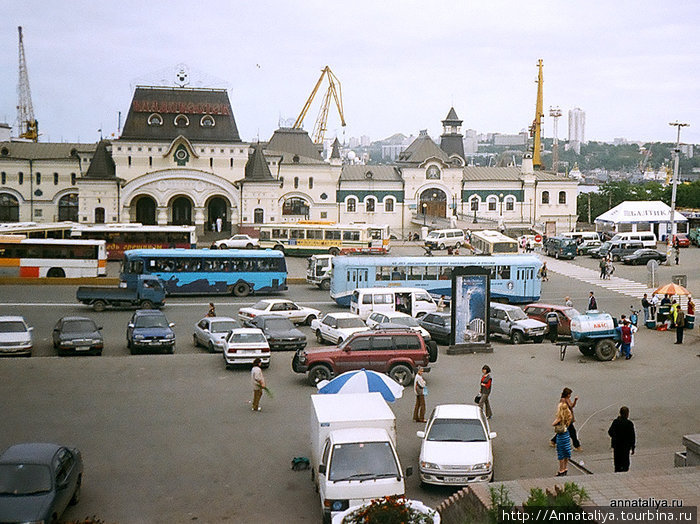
x: 555, y: 113
x: 677, y: 151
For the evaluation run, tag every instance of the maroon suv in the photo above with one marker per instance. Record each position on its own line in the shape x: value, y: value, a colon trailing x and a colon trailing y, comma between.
x: 539, y: 312
x: 398, y: 352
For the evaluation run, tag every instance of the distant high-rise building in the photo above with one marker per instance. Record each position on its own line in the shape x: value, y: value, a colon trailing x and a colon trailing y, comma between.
x: 577, y: 129
x: 471, y: 142
x: 353, y: 142
x: 365, y: 141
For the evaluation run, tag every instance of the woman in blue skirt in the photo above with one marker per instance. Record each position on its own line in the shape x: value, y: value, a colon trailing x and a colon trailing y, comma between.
x: 561, y: 425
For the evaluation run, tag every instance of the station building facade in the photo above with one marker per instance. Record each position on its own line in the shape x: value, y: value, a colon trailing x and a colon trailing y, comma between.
x: 180, y: 160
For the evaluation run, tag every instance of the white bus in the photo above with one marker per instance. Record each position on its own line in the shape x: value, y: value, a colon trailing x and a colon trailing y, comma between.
x: 38, y: 257
x: 493, y: 243
x: 308, y: 237
x: 38, y: 230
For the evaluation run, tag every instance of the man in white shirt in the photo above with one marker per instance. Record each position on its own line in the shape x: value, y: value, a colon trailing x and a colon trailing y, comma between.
x: 258, y: 382
x: 419, y: 390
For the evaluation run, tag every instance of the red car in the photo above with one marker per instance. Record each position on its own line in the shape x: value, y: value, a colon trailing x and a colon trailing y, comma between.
x: 682, y: 239
x: 539, y: 312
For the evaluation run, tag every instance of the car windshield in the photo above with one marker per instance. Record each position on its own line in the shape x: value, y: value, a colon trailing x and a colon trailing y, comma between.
x: 79, y: 326
x: 362, y: 461
x: 151, y: 321
x: 261, y: 305
x: 24, y: 479
x: 12, y: 326
x: 279, y: 324
x: 517, y: 314
x: 223, y: 326
x: 456, y: 430
x: 433, y: 234
x: 405, y: 321
x: 246, y: 338
x: 350, y: 323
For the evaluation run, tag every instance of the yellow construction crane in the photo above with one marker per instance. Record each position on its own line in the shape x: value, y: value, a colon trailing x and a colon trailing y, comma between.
x: 333, y: 90
x: 536, y: 127
x: 26, y: 123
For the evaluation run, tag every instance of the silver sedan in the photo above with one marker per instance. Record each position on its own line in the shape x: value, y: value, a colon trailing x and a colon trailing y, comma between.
x: 211, y: 331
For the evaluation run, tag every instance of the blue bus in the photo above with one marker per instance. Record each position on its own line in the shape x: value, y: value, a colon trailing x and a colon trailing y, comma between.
x: 513, y: 277
x: 239, y: 272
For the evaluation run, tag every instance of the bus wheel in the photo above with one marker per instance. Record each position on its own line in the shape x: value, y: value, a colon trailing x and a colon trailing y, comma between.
x: 99, y: 305
x: 334, y: 251
x: 56, y: 272
x: 326, y: 285
x: 241, y: 290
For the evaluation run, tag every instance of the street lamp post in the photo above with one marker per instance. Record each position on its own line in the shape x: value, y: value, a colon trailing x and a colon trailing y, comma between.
x: 677, y: 151
x: 425, y: 208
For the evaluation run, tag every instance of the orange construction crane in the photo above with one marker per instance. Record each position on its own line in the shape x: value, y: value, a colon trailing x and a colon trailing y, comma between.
x: 26, y: 123
x: 333, y: 90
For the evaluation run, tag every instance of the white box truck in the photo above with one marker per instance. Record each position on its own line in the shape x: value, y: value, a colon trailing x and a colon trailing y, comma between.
x: 353, y: 454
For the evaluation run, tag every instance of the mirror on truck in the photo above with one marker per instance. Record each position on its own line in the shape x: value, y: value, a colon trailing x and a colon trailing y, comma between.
x: 420, y: 434
x: 493, y: 434
x: 321, y: 469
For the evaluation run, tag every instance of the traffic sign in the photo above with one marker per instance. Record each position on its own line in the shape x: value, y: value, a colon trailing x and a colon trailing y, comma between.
x: 538, y: 238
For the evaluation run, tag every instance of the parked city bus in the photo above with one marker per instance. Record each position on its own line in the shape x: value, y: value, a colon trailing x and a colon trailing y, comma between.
x: 239, y: 272
x: 123, y: 237
x: 35, y: 230
x: 493, y: 243
x: 513, y: 277
x: 308, y: 237
x: 39, y: 257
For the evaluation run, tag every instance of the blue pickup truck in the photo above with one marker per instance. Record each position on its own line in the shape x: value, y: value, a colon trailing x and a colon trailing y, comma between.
x: 145, y: 293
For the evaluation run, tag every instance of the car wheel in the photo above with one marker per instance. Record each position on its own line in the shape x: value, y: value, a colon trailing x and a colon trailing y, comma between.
x: 616, y: 258
x: 99, y: 305
x: 309, y: 319
x: 211, y: 348
x: 441, y: 246
x: 325, y: 285
x: 432, y: 350
x: 605, y: 350
x: 146, y: 304
x: 76, y: 494
x: 195, y: 343
x: 279, y: 247
x: 241, y: 290
x: 249, y: 246
x: 265, y: 366
x: 401, y: 374
x: 97, y: 352
x: 458, y: 245
x: 517, y: 337
x: 319, y: 338
x: 556, y: 255
x: 318, y: 373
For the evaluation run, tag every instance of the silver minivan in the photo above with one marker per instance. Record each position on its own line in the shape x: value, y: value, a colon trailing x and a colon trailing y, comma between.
x: 444, y: 238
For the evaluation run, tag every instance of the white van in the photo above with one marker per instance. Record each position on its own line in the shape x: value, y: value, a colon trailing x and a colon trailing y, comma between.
x: 645, y: 237
x: 410, y: 300
x: 444, y: 238
x: 583, y: 235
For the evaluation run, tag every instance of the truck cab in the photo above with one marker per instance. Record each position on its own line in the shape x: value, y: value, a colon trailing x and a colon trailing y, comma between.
x: 318, y: 271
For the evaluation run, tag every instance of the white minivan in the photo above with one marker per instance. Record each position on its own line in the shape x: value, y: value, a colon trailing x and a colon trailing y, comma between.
x: 583, y: 235
x: 647, y: 238
x: 444, y: 238
x: 410, y: 300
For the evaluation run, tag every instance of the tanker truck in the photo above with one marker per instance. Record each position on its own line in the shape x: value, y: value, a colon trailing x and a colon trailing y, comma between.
x: 596, y: 334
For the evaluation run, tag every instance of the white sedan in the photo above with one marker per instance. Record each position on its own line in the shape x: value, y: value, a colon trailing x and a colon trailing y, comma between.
x: 336, y: 327
x: 398, y: 318
x: 456, y: 448
x: 211, y: 331
x: 244, y: 345
x: 282, y: 308
x: 237, y: 242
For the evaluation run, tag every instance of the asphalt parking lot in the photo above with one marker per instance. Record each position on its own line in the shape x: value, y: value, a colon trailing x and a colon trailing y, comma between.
x: 170, y: 438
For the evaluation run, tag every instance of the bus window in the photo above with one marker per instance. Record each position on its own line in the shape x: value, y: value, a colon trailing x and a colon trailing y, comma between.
x: 504, y: 272
x: 384, y: 298
x: 383, y: 273
x: 445, y: 273
x: 375, y: 234
x: 296, y: 233
x: 415, y: 273
x: 398, y: 274
x: 279, y: 233
x: 431, y: 273
x: 332, y: 235
x: 315, y: 234
x: 351, y: 235
x: 367, y: 298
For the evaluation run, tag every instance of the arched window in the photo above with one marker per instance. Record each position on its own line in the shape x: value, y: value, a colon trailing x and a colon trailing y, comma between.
x: 510, y: 203
x: 562, y: 197
x: 9, y: 208
x: 370, y: 204
x: 545, y: 197
x: 474, y: 203
x: 181, y: 121
x: 259, y: 216
x: 351, y: 205
x: 295, y: 206
x: 492, y: 201
x: 155, y: 120
x: 68, y: 208
x: 207, y: 121
x: 389, y: 205
x: 296, y: 182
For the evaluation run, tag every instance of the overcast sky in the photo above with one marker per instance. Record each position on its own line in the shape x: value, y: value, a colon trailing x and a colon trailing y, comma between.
x: 632, y: 66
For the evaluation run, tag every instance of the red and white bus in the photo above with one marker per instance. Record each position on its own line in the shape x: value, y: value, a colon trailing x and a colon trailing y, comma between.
x: 61, y: 258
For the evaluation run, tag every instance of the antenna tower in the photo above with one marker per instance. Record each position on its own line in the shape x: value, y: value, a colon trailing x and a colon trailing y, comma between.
x: 536, y: 127
x: 26, y: 123
x: 555, y: 113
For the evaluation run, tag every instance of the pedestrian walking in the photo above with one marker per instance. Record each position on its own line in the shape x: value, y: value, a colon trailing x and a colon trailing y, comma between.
x: 545, y: 278
x: 622, y: 440
x: 691, y: 306
x: 625, y: 339
x: 566, y: 398
x: 646, y: 305
x: 676, y: 254
x: 485, y: 391
x: 680, y: 326
x: 592, y: 303
x: 219, y: 224
x: 212, y: 310
x: 603, y: 266
x: 609, y: 268
x: 419, y: 389
x: 568, y: 302
x: 258, y: 382
x: 561, y: 424
x: 552, y: 326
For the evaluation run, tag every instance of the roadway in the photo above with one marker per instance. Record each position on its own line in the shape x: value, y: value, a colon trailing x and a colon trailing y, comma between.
x: 169, y: 438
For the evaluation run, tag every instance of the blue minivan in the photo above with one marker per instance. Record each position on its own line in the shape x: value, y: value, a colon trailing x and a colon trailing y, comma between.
x: 560, y: 247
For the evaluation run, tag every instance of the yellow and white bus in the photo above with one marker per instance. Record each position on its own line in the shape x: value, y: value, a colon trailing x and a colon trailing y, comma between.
x: 38, y: 230
x: 492, y: 243
x: 308, y: 237
x: 39, y: 257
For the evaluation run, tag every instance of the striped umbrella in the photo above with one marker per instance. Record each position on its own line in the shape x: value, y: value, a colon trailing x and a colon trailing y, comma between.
x: 671, y: 289
x: 363, y: 381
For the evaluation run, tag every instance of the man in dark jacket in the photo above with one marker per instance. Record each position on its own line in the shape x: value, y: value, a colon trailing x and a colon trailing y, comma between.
x: 622, y: 440
x: 592, y: 303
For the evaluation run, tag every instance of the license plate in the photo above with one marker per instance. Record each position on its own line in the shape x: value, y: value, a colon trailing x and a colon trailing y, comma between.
x: 154, y: 342
x: 83, y: 348
x: 459, y: 480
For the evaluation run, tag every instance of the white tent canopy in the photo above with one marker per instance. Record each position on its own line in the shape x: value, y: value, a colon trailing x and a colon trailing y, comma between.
x: 635, y: 212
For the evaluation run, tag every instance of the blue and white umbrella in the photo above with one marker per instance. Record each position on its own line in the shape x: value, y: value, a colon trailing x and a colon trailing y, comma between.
x: 363, y: 381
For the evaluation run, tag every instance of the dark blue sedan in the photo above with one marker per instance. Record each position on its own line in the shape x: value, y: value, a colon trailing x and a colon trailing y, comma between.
x: 149, y: 330
x: 38, y: 481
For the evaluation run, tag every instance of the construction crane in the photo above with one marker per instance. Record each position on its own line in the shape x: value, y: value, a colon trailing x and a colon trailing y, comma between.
x: 536, y: 127
x: 26, y: 123
x: 333, y: 90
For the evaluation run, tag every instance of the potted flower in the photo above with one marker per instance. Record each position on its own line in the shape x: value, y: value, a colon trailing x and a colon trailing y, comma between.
x: 389, y: 510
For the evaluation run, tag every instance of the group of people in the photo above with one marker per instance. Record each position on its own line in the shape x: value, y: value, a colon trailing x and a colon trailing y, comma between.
x: 676, y: 317
x: 606, y: 267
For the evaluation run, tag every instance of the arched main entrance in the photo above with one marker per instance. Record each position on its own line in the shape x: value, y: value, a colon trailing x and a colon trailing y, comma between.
x: 181, y: 208
x: 433, y: 202
x: 146, y: 211
x: 218, y: 207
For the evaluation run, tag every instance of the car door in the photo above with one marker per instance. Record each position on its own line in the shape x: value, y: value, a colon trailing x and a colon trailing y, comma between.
x: 328, y: 329
x: 65, y: 478
x: 355, y: 355
x: 280, y: 308
x: 56, y: 333
x: 200, y: 331
x: 380, y: 351
x: 296, y: 314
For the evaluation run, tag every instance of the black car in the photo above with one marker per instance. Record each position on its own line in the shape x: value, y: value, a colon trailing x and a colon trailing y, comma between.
x: 279, y: 332
x: 642, y: 256
x: 77, y: 335
x: 150, y: 330
x: 439, y: 325
x: 38, y: 481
